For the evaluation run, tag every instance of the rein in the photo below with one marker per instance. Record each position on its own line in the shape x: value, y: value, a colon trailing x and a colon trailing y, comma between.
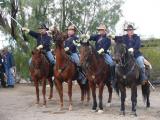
x: 124, y: 66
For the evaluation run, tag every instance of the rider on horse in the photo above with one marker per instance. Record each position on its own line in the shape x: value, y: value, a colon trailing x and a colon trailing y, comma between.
x: 71, y: 48
x: 102, y: 44
x: 43, y: 41
x: 133, y: 43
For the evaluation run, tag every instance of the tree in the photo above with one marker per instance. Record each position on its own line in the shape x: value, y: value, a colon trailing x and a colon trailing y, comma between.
x: 85, y: 14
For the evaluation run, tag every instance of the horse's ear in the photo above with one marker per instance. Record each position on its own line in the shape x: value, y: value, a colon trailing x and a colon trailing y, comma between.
x: 32, y: 52
x: 65, y: 35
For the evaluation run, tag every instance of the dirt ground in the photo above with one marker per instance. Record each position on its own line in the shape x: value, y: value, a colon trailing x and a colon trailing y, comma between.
x: 19, y: 104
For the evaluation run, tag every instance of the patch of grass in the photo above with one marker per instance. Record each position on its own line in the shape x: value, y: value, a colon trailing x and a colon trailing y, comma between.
x: 153, y: 55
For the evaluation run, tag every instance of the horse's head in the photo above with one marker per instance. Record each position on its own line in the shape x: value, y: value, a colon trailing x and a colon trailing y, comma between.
x: 120, y: 51
x: 85, y: 51
x: 58, y: 37
x: 37, y: 58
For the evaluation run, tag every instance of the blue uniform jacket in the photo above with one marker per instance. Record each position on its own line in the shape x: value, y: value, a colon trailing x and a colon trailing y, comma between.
x: 101, y: 42
x: 44, y: 40
x: 134, y: 43
x: 69, y: 43
x: 8, y: 60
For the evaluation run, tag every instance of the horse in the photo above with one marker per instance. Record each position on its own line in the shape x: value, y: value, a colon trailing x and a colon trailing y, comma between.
x: 39, y: 70
x: 128, y: 75
x: 65, y: 70
x: 97, y: 73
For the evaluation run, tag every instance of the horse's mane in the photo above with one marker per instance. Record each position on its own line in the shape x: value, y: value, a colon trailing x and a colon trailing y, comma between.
x: 129, y: 58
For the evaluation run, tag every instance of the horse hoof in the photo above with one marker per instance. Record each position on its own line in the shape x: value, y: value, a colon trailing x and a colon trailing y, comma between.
x: 60, y: 109
x: 108, y: 105
x: 100, y: 111
x: 50, y: 98
x: 93, y: 110
x: 44, y: 106
x: 122, y: 113
x: 134, y: 113
x: 70, y: 108
x: 87, y: 103
x: 37, y: 105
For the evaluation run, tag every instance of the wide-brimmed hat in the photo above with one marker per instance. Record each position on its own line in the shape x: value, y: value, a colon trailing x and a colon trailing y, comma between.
x: 101, y: 27
x: 129, y: 27
x: 43, y: 26
x: 71, y: 27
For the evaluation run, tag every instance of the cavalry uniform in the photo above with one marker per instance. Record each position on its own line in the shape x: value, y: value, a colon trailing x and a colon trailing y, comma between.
x: 102, y: 45
x: 45, y: 41
x: 70, y: 46
x: 133, y: 44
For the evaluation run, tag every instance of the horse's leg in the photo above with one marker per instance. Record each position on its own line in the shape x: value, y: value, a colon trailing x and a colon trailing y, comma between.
x: 134, y: 99
x: 123, y: 96
x: 59, y: 88
x: 70, y: 94
x: 88, y: 92
x: 82, y: 91
x: 44, y: 90
x: 110, y: 92
x: 51, y: 88
x: 93, y: 88
x: 101, y: 87
x: 37, y: 89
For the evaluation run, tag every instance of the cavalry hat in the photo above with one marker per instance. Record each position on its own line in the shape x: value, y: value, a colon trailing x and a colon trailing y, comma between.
x: 129, y: 27
x: 71, y: 27
x: 101, y: 27
x: 43, y: 26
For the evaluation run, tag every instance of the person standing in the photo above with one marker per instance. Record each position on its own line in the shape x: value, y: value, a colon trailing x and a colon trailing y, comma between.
x: 9, y: 65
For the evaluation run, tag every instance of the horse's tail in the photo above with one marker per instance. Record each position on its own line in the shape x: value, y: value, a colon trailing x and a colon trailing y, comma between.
x: 145, y: 91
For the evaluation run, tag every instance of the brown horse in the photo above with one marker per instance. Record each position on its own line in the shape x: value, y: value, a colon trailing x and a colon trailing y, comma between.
x: 65, y: 70
x: 97, y: 73
x: 39, y: 70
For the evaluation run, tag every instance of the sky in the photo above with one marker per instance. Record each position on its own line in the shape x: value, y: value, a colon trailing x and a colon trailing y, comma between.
x: 143, y: 13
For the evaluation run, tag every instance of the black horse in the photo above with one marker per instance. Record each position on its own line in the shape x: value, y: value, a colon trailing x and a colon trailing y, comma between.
x: 128, y: 75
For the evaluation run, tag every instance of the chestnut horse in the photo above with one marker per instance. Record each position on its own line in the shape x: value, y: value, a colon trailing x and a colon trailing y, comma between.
x: 65, y: 70
x: 39, y: 70
x: 97, y: 73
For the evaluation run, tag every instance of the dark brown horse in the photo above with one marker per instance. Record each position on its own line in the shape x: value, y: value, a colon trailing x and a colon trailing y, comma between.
x: 128, y: 75
x: 65, y: 70
x: 39, y: 70
x: 97, y: 73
